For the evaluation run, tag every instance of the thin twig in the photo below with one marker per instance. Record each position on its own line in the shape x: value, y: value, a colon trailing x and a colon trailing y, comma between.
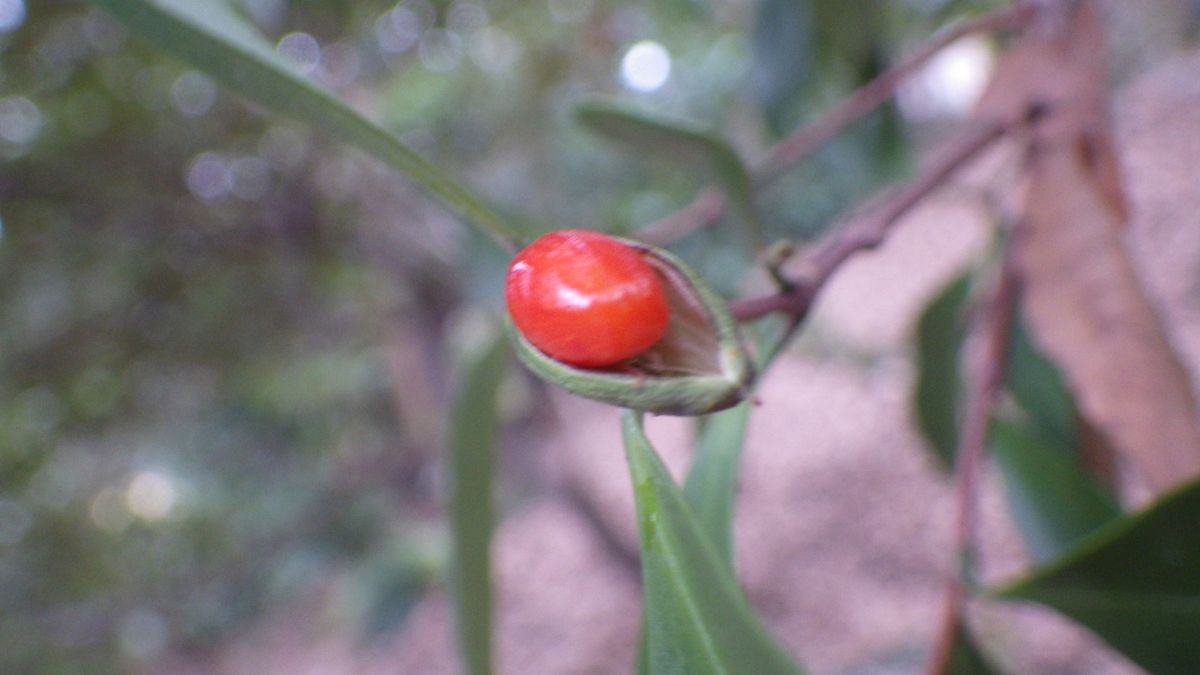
x: 709, y: 205
x: 791, y: 150
x: 869, y: 232
x: 983, y: 390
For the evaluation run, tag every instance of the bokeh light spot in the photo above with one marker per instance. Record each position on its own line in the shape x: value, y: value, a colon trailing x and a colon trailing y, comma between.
x: 340, y: 65
x: 20, y: 120
x: 951, y: 83
x: 398, y: 30
x: 151, y: 495
x: 12, y: 14
x: 465, y: 18
x: 302, y: 50
x: 193, y: 94
x: 209, y: 176
x: 494, y: 50
x: 646, y: 66
x: 440, y: 50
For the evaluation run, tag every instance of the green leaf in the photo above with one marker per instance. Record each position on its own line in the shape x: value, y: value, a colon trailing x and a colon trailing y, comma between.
x: 473, y: 434
x: 711, y: 489
x: 1038, y: 386
x: 684, y: 143
x: 1053, y: 499
x: 213, y: 37
x: 641, y: 663
x: 965, y: 657
x: 697, y: 619
x: 1135, y: 582
x: 711, y: 486
x: 940, y: 335
x: 1050, y: 493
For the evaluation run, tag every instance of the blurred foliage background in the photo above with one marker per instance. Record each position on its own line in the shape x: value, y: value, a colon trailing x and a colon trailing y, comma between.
x: 226, y: 343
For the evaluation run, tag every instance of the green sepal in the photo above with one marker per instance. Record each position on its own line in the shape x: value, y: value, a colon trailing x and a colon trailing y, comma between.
x: 700, y: 366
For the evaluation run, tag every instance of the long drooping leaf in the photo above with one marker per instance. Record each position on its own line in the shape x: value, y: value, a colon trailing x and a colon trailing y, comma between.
x: 1135, y: 582
x: 711, y: 485
x: 711, y: 489
x: 698, y: 620
x: 686, y: 144
x: 940, y: 334
x: 472, y: 464
x: 213, y: 37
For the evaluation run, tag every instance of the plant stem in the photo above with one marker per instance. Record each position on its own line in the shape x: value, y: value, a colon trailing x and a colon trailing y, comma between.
x: 984, y: 389
x: 709, y: 205
x: 869, y: 232
x: 799, y: 145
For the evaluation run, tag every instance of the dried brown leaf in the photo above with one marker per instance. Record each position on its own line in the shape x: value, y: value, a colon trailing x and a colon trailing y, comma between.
x: 1059, y: 66
x: 1088, y: 310
x: 1084, y: 302
x: 1060, y: 71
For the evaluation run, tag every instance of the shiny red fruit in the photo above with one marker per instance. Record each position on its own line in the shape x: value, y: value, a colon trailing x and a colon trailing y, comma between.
x: 585, y: 298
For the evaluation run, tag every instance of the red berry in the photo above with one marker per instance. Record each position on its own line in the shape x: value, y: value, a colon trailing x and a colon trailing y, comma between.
x: 585, y: 298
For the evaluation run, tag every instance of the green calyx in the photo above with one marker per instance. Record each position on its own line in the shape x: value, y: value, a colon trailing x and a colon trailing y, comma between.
x: 700, y: 366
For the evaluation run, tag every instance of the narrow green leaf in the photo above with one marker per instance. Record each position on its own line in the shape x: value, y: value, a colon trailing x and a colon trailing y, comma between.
x: 711, y: 489
x: 684, y: 143
x: 641, y: 664
x: 1053, y: 499
x: 213, y: 37
x: 698, y: 620
x: 1135, y: 582
x: 940, y: 335
x: 473, y: 434
x: 711, y: 486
